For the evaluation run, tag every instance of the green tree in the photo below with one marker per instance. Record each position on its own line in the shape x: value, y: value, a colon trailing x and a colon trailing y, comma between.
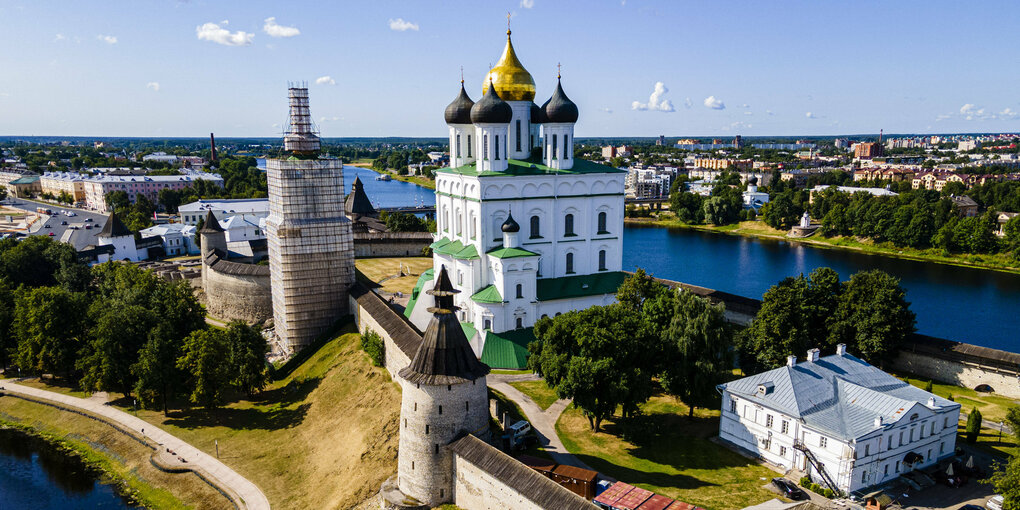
x: 636, y: 288
x: 873, y: 316
x: 601, y: 358
x: 117, y: 336
x: 405, y: 222
x: 206, y: 359
x: 697, y: 347
x: 41, y: 261
x: 973, y: 429
x: 8, y: 343
x: 1013, y: 422
x: 781, y: 212
x: 49, y: 323
x: 3, y: 193
x: 1006, y: 480
x: 688, y: 207
x: 248, y: 351
x: 720, y: 211
x: 158, y: 377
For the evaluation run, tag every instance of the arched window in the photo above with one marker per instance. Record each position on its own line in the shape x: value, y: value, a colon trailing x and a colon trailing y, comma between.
x: 487, y: 324
x: 568, y: 225
x: 536, y: 231
x: 602, y: 260
x: 520, y: 322
x: 570, y: 263
x: 518, y: 135
x: 458, y: 146
x: 602, y: 223
x: 496, y: 147
x: 469, y: 146
x: 566, y: 148
x: 485, y: 146
x: 553, y: 152
x: 520, y: 291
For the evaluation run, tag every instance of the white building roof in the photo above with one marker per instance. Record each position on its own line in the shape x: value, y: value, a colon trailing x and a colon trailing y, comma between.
x: 878, y: 192
x: 168, y: 228
x: 238, y: 206
x: 839, y: 395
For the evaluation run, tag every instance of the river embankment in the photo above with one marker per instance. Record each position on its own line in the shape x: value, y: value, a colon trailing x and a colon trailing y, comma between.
x: 758, y: 229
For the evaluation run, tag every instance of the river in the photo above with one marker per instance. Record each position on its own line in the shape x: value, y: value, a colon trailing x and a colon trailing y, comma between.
x: 958, y: 303
x: 34, y: 474
x: 976, y: 306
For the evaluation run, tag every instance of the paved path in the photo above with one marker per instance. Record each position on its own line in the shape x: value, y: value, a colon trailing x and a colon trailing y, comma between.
x: 542, y: 422
x: 246, y: 495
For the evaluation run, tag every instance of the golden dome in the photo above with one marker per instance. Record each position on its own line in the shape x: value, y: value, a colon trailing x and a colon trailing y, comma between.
x: 512, y: 81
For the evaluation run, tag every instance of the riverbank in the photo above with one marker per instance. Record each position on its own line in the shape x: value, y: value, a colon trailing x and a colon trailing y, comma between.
x: 424, y: 182
x: 122, y: 461
x: 995, y: 262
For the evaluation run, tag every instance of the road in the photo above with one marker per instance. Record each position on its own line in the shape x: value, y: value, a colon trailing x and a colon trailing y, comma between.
x: 245, y: 494
x: 79, y: 238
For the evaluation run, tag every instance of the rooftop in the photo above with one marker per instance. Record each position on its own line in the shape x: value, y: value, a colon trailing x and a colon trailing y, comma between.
x: 242, y: 205
x: 534, y: 166
x: 578, y: 286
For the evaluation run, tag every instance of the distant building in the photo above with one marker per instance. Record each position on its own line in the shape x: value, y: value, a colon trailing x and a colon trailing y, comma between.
x: 1002, y: 220
x: 841, y: 143
x: 878, y: 192
x: 661, y: 140
x: 847, y: 424
x: 867, y: 150
x: 177, y: 238
x: 56, y: 183
x: 162, y: 157
x: 754, y: 199
x: 936, y: 180
x: 968, y: 145
x: 622, y: 151
x: 965, y: 206
x: 738, y: 142
x: 96, y: 188
x: 884, y: 174
x: 223, y: 209
x: 723, y: 164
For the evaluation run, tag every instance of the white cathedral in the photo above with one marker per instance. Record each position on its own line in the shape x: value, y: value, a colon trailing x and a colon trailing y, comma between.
x: 524, y: 230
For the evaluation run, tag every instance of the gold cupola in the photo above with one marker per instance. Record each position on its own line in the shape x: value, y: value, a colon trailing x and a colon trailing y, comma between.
x: 509, y: 77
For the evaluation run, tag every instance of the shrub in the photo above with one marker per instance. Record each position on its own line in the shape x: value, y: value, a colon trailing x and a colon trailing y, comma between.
x: 973, y: 425
x: 372, y: 344
x: 950, y: 398
x: 827, y: 492
x: 928, y: 387
x: 805, y: 482
x: 815, y: 487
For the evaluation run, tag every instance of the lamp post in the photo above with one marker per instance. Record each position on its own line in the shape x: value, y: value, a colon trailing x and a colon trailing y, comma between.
x: 217, y: 441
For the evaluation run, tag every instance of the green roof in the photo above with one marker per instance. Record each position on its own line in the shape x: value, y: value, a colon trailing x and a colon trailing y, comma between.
x: 581, y: 285
x: 422, y: 280
x: 442, y: 241
x: 508, y: 349
x: 469, y: 329
x: 28, y: 179
x: 534, y: 166
x: 488, y: 294
x: 509, y: 253
x: 449, y: 248
x: 467, y: 253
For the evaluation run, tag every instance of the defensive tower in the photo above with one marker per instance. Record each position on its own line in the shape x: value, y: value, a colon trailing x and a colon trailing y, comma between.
x: 311, y: 252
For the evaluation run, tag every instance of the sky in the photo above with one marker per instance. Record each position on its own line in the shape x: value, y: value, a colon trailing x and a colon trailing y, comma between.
x: 389, y: 68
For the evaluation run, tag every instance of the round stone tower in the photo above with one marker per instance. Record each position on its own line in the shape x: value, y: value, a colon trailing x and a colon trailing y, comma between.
x: 444, y: 398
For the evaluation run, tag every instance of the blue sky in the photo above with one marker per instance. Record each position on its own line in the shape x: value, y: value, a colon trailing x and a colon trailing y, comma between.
x: 186, y: 68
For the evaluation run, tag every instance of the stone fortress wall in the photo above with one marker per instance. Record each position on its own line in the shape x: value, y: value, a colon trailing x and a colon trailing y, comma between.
x: 236, y: 291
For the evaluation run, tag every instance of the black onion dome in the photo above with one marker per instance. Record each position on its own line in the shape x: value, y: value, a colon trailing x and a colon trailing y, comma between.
x: 459, y: 111
x: 510, y: 225
x: 537, y: 114
x: 559, y: 107
x: 753, y: 181
x: 490, y: 109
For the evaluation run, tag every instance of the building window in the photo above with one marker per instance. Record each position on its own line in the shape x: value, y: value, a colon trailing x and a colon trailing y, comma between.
x: 518, y: 135
x: 532, y: 139
x: 435, y: 450
x: 458, y: 146
x: 602, y: 260
x: 441, y: 491
x: 485, y: 146
x: 568, y: 225
x: 566, y: 148
x: 487, y: 324
x: 495, y: 147
x: 942, y: 448
x: 426, y: 429
x: 520, y: 323
x: 768, y: 421
x: 440, y: 409
x: 536, y: 231
x: 467, y: 405
x: 460, y: 278
x: 602, y: 223
x: 469, y: 145
x: 897, y: 469
x: 782, y: 451
x: 945, y: 423
x: 886, y: 472
x: 933, y: 428
x: 929, y: 454
x: 733, y: 406
x: 864, y: 477
x: 867, y: 450
x: 520, y: 291
x: 570, y: 263
x: 822, y: 441
x: 785, y: 427
x: 553, y: 152
x: 415, y: 407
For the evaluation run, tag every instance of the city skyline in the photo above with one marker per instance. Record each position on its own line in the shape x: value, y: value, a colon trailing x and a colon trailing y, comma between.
x: 387, y: 69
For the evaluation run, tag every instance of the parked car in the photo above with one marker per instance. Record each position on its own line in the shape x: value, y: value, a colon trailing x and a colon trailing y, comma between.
x: 88, y: 220
x: 788, y: 489
x: 994, y: 503
x: 63, y: 222
x: 47, y: 225
x: 51, y: 234
x: 88, y: 227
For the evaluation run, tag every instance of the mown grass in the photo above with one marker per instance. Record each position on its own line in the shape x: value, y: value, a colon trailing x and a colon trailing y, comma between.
x: 538, y: 391
x: 377, y: 269
x: 324, y: 436
x: 663, y: 451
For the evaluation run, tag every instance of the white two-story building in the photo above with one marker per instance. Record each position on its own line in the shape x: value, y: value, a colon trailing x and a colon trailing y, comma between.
x: 839, y: 419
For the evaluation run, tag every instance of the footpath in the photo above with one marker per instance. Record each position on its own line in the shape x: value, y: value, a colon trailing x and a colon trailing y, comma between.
x: 542, y: 422
x: 173, y: 453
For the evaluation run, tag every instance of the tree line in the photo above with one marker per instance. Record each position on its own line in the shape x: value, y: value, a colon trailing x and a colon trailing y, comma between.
x: 116, y: 328
x: 654, y: 338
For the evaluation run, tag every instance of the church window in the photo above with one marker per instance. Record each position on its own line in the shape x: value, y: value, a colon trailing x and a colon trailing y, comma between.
x: 535, y: 228
x: 469, y: 145
x: 485, y: 146
x: 520, y: 291
x: 416, y: 407
x: 449, y: 387
x: 495, y: 147
x: 440, y: 409
x: 566, y: 148
x: 602, y: 223
x: 436, y: 452
x: 458, y: 147
x: 553, y: 152
x: 602, y: 260
x: 412, y: 465
x: 487, y: 324
x: 933, y: 428
x: 520, y: 323
x: 441, y: 491
x: 467, y: 405
x: 518, y: 135
x: 570, y: 263
x: 460, y: 277
x: 568, y: 225
x: 867, y: 450
x: 426, y: 428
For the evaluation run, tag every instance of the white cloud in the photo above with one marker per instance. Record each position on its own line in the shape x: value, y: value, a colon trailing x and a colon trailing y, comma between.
x: 1009, y: 114
x: 810, y: 115
x: 967, y: 109
x: 274, y: 30
x: 328, y: 119
x: 655, y: 101
x: 527, y: 4
x: 688, y: 103
x: 942, y: 117
x: 748, y: 113
x: 325, y: 80
x: 59, y: 37
x: 607, y: 110
x: 154, y: 85
x: 402, y: 26
x: 108, y: 39
x: 714, y: 103
x: 215, y: 33
x: 738, y: 126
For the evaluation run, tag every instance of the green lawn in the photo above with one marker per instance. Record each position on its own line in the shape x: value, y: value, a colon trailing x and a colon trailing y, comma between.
x: 662, y: 451
x: 537, y: 391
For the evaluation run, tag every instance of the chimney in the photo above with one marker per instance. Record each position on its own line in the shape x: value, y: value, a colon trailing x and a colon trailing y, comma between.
x: 812, y: 355
x: 931, y: 402
x: 212, y: 145
x: 841, y: 350
x: 791, y: 360
x: 878, y: 422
